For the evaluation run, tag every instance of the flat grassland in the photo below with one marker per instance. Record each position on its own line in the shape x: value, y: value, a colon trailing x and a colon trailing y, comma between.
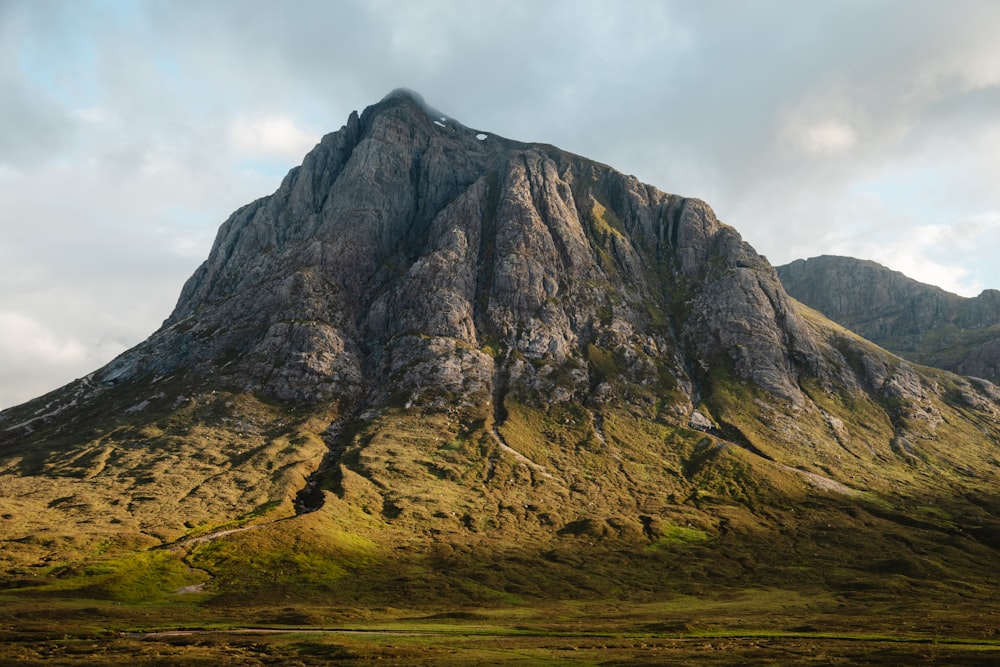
x: 752, y: 627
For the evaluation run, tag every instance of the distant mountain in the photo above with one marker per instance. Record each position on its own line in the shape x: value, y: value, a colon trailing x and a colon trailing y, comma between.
x: 919, y: 322
x: 438, y: 367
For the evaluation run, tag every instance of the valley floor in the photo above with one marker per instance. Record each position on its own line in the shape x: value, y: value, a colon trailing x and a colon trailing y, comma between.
x: 765, y: 627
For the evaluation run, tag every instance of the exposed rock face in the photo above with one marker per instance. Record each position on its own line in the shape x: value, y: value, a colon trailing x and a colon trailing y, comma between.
x: 920, y: 322
x: 411, y: 260
x: 406, y: 255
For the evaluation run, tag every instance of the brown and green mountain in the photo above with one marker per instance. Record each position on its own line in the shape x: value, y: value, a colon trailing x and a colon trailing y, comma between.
x: 438, y: 369
x: 919, y: 322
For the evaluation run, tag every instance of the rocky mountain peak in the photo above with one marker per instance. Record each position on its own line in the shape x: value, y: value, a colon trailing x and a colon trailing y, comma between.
x: 409, y: 252
x: 920, y: 322
x: 411, y: 257
x: 412, y: 98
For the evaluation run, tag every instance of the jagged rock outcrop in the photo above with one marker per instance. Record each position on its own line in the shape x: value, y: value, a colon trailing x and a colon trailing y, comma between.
x: 410, y: 253
x: 412, y: 260
x: 921, y: 322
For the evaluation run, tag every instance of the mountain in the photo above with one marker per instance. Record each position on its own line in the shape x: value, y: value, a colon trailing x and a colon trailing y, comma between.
x: 440, y: 369
x: 922, y: 323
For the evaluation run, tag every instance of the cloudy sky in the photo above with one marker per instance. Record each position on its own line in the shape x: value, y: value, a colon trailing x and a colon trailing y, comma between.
x: 130, y: 129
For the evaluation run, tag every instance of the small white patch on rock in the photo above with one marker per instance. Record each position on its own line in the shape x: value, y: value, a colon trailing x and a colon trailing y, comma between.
x: 823, y: 483
x: 194, y: 588
x: 482, y: 136
x: 700, y: 422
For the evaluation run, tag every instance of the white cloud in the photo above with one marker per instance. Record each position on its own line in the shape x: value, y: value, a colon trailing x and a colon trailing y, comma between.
x: 271, y: 137
x: 828, y: 137
x: 34, y: 343
x: 35, y: 359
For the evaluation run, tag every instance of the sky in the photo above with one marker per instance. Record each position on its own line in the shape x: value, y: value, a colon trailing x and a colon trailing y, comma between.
x: 131, y: 129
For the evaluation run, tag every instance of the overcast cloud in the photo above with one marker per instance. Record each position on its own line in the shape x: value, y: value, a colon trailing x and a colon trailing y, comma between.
x: 129, y: 130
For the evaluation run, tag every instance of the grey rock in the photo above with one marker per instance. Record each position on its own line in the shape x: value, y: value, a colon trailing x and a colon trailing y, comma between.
x: 407, y: 262
x: 919, y: 322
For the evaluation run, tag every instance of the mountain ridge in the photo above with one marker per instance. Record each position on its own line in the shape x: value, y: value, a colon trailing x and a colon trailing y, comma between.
x: 296, y: 192
x: 921, y: 322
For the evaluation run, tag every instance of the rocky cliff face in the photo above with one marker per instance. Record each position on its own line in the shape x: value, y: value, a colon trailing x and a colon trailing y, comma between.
x: 432, y: 335
x: 920, y: 322
x: 410, y: 255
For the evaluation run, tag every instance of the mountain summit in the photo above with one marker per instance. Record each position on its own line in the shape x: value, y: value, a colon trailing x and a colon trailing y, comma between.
x: 438, y: 355
x: 411, y: 255
x: 920, y: 322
